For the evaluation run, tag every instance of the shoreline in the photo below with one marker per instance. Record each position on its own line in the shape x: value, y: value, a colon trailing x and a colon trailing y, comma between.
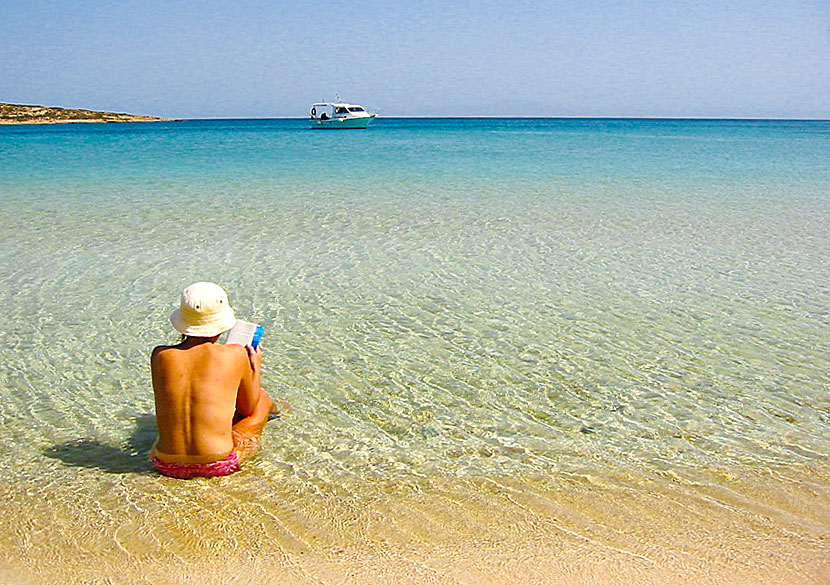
x: 489, y: 530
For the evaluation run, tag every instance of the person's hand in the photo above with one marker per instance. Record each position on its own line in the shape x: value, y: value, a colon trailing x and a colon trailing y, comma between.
x: 255, y: 357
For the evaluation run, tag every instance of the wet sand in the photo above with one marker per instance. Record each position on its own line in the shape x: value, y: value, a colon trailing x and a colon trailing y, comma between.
x: 487, y: 531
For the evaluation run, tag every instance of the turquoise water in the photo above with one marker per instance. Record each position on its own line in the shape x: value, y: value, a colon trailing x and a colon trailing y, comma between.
x: 572, y: 305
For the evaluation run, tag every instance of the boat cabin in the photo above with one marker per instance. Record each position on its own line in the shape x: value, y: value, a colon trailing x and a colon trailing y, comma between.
x: 330, y: 111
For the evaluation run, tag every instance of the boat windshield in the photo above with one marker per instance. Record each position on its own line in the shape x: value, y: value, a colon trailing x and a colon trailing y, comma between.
x: 356, y: 109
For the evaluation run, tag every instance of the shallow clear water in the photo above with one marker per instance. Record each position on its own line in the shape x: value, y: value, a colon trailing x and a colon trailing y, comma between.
x: 458, y: 311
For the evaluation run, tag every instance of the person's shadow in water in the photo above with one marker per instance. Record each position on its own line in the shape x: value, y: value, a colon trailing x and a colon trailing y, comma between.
x: 131, y: 457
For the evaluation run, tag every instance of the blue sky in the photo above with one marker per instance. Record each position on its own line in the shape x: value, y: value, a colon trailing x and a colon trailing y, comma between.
x: 742, y: 58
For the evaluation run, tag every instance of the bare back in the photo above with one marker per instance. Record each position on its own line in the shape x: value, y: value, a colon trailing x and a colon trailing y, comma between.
x: 198, y: 389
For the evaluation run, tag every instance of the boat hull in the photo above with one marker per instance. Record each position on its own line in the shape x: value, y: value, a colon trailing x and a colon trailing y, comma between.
x: 342, y: 123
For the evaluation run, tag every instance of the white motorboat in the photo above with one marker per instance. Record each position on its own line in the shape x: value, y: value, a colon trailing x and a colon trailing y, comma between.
x: 339, y: 115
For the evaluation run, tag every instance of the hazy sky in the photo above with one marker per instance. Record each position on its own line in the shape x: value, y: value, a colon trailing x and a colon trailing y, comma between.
x: 238, y: 58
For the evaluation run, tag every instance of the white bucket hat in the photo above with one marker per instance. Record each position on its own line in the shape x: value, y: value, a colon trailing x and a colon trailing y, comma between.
x: 204, y: 312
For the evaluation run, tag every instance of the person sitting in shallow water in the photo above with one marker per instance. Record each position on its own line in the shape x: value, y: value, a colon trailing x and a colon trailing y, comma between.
x: 210, y: 406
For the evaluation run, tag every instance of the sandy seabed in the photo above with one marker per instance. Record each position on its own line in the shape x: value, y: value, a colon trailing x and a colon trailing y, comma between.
x: 486, y: 531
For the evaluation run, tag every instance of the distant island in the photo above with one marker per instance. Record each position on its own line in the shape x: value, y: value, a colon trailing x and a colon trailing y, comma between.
x: 20, y: 114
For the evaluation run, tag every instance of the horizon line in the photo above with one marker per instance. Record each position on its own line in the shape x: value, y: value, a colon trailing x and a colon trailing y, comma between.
x: 528, y: 117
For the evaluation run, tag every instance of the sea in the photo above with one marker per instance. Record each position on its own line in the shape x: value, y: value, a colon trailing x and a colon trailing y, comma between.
x: 515, y: 350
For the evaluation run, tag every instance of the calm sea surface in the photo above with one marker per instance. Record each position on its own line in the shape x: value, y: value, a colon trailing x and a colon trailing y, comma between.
x: 528, y: 316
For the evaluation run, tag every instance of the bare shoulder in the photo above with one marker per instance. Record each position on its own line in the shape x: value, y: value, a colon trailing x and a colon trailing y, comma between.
x: 233, y: 357
x: 230, y: 352
x: 159, y: 350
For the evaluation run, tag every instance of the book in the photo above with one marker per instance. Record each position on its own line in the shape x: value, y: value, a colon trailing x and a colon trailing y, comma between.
x: 244, y: 333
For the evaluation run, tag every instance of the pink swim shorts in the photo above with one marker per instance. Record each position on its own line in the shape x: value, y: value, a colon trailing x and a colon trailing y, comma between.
x: 225, y: 466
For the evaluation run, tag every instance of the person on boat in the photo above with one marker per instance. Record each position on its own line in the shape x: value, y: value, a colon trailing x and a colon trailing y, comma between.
x: 210, y: 405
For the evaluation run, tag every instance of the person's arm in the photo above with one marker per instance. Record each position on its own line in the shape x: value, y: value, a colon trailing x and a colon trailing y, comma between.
x: 250, y: 390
